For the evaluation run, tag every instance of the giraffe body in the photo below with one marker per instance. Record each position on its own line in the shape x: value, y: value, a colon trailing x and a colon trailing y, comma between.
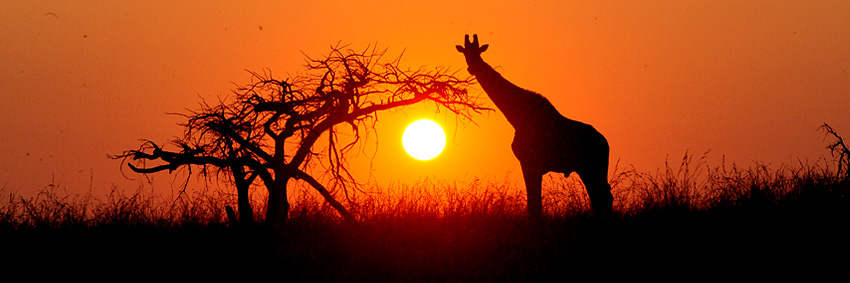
x: 544, y: 140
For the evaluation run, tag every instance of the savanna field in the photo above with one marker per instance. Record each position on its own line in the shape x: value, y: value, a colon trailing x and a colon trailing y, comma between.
x: 389, y: 141
x: 686, y: 218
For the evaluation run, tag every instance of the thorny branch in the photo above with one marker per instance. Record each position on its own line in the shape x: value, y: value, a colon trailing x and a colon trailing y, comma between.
x: 840, y: 149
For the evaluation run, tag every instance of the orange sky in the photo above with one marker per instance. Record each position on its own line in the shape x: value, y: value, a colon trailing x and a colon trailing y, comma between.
x: 748, y: 80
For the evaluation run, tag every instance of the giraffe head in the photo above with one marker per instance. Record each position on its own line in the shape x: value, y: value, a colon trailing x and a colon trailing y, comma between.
x: 471, y: 50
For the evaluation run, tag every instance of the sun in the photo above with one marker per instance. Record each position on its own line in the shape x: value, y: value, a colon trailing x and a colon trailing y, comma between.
x: 424, y: 139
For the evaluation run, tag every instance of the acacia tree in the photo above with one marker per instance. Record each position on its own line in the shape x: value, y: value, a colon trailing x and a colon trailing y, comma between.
x: 271, y: 128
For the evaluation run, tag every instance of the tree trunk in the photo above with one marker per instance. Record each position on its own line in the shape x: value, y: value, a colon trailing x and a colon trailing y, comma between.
x: 246, y: 213
x: 278, y: 206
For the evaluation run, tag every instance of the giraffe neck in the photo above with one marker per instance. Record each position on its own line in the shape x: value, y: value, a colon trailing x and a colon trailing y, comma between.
x: 523, y: 108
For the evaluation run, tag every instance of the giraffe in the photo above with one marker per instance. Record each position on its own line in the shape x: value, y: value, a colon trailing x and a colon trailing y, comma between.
x: 544, y: 140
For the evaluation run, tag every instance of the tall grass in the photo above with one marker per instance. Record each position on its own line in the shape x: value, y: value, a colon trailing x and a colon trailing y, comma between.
x: 437, y: 229
x: 696, y: 187
x: 54, y: 208
x: 690, y: 187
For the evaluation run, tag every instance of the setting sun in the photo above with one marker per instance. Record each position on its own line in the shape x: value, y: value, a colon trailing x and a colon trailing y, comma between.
x: 424, y: 139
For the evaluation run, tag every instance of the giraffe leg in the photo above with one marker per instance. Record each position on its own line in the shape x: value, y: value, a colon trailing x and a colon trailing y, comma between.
x: 599, y: 191
x: 533, y: 183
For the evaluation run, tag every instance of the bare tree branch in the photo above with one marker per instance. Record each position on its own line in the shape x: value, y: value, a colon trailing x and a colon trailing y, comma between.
x: 840, y: 149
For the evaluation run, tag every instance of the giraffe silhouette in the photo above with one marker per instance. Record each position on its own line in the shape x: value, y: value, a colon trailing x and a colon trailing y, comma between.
x: 544, y: 140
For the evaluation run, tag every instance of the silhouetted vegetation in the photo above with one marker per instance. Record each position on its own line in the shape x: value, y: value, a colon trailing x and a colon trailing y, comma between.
x: 271, y: 129
x: 690, y: 217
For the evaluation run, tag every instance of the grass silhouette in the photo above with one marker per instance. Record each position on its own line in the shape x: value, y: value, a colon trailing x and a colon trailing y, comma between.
x: 693, y: 216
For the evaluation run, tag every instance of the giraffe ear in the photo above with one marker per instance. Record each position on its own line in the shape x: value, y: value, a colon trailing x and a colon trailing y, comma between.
x: 459, y: 48
x: 483, y: 47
